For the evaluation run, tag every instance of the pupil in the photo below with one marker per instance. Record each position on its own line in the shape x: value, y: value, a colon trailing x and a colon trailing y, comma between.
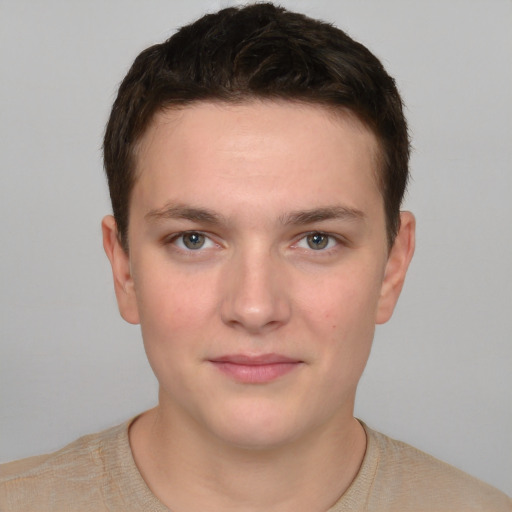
x: 193, y: 240
x: 317, y: 241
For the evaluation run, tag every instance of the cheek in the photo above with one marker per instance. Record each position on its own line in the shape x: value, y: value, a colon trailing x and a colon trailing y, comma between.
x: 169, y: 294
x: 344, y: 300
x: 175, y: 310
x: 342, y: 314
x: 172, y: 319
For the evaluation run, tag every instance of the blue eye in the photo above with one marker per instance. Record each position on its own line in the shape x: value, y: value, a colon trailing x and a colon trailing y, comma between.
x: 317, y: 241
x: 192, y: 241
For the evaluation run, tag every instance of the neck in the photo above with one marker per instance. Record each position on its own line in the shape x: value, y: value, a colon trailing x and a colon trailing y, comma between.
x: 189, y: 472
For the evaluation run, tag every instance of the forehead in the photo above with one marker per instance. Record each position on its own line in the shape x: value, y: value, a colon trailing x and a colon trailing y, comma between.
x: 258, y: 149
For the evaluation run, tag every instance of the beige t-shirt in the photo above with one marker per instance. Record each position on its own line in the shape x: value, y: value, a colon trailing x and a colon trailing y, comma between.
x: 97, y: 473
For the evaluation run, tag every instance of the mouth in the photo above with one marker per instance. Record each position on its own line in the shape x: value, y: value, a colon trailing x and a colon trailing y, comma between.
x: 255, y: 369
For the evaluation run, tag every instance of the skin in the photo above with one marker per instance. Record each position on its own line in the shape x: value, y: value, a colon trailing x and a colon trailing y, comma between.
x: 261, y: 182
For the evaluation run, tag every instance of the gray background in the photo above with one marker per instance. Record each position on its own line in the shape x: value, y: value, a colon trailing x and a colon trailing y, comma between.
x: 439, y: 375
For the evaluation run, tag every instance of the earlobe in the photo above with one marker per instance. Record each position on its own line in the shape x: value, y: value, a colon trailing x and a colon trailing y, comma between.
x: 120, y: 263
x: 396, y: 268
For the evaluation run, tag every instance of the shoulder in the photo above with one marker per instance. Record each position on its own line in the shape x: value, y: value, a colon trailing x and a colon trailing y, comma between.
x: 56, y: 481
x: 414, y: 479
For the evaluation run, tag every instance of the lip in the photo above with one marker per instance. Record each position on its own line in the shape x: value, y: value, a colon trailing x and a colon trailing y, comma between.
x: 255, y: 369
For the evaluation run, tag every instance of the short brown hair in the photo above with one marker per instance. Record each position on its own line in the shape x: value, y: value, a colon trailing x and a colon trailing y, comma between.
x: 258, y: 51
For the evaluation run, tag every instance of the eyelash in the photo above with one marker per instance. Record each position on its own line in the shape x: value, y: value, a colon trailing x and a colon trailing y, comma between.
x: 171, y: 240
x: 338, y: 241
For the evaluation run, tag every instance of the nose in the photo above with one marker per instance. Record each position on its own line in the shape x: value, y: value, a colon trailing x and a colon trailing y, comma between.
x: 255, y: 294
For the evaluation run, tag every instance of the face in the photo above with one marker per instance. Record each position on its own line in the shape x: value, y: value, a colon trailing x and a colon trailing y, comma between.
x: 258, y: 267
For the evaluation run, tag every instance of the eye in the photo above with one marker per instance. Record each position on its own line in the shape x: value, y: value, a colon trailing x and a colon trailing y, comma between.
x: 192, y: 241
x: 317, y: 241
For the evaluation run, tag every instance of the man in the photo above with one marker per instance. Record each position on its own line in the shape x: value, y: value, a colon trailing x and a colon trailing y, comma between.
x: 256, y: 163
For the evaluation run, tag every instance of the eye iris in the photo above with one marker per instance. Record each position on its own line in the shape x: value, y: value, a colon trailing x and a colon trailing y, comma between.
x: 317, y: 241
x: 193, y: 240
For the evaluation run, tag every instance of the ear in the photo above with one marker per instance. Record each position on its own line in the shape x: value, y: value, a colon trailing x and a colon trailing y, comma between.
x: 120, y: 262
x: 399, y: 258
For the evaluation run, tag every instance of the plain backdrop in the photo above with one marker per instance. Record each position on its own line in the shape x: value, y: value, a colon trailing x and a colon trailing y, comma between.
x: 440, y: 373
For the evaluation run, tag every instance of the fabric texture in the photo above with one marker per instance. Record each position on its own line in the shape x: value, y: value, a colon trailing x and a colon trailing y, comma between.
x: 97, y: 473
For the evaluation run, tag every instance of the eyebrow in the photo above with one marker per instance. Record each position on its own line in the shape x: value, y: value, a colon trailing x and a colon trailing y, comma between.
x: 299, y: 217
x: 173, y: 211
x: 302, y: 217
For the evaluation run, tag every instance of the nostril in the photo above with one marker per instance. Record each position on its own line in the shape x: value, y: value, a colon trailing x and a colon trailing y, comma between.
x: 263, y: 314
